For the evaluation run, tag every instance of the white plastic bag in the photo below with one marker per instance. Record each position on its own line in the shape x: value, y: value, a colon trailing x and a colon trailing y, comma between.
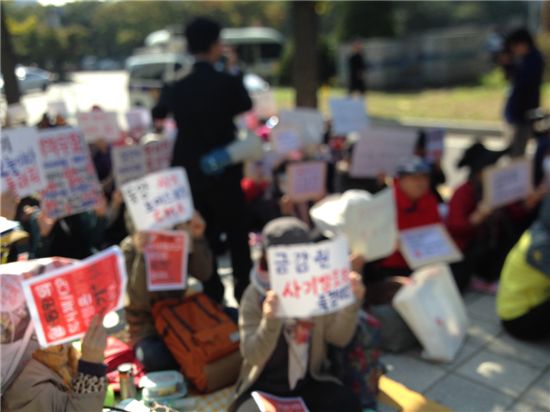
x: 433, y: 308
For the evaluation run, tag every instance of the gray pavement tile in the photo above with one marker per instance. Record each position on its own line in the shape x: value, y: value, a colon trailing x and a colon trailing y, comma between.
x: 465, y: 352
x: 416, y: 374
x: 525, y: 407
x: 463, y: 395
x: 536, y: 354
x: 481, y: 332
x: 483, y: 308
x: 503, y: 374
x: 539, y: 393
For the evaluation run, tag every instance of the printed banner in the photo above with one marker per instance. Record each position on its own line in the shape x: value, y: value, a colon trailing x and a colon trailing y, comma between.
x: 505, y: 184
x: 271, y: 403
x: 348, y: 115
x: 62, y: 303
x: 310, y: 279
x: 306, y: 180
x: 428, y: 244
x: 21, y: 162
x: 98, y: 125
x: 381, y: 151
x: 73, y: 186
x: 159, y: 200
x: 166, y: 256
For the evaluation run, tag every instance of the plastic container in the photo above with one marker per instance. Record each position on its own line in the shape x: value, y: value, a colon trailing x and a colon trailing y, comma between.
x: 163, y: 386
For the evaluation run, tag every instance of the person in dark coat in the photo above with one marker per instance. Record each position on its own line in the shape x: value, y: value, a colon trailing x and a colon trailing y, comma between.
x: 524, y: 94
x: 357, y: 66
x: 204, y: 105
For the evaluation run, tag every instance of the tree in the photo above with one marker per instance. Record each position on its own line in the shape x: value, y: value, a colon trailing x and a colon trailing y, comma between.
x: 305, y: 65
x: 8, y: 62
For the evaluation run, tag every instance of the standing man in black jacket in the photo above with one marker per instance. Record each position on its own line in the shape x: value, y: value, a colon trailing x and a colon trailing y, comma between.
x: 204, y: 105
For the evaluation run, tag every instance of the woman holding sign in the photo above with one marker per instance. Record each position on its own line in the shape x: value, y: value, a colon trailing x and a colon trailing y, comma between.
x: 284, y: 356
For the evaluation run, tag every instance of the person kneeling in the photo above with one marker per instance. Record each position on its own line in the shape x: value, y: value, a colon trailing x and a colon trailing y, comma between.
x: 285, y: 357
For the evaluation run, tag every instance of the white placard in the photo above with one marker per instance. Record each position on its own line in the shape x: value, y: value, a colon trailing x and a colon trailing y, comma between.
x: 21, y: 162
x: 505, y: 184
x: 435, y: 144
x: 128, y: 163
x: 98, y: 125
x: 159, y: 200
x: 138, y: 119
x: 306, y: 180
x: 381, y: 150
x: 309, y: 123
x: 285, y: 140
x: 428, y: 244
x: 348, y: 115
x: 310, y: 279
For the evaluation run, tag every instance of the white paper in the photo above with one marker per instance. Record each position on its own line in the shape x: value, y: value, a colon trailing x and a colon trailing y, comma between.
x: 98, y: 125
x: 138, y: 118
x: 381, y: 151
x: 505, y: 184
x: 285, y: 140
x: 306, y: 180
x: 348, y: 115
x: 310, y: 279
x: 309, y: 123
x: 159, y: 200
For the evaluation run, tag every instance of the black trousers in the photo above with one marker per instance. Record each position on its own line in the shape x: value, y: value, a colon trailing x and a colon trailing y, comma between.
x: 534, y: 325
x: 224, y: 211
x: 318, y: 397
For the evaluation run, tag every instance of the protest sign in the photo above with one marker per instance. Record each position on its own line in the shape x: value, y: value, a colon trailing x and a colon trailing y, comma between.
x: 73, y: 186
x: 508, y: 183
x: 285, y: 140
x: 308, y: 122
x: 306, y: 180
x: 16, y: 326
x: 21, y: 162
x: 264, y: 104
x: 271, y: 403
x: 348, y: 115
x: 63, y: 302
x: 98, y: 125
x: 138, y: 120
x: 435, y: 144
x: 310, y: 279
x: 381, y: 150
x: 166, y: 260
x: 428, y: 244
x: 158, y: 155
x: 159, y: 200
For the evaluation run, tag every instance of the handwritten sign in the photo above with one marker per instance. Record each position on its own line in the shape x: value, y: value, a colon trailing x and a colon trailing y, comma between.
x: 285, y: 140
x: 310, y: 279
x: 435, y: 144
x: 426, y: 245
x: 505, y: 184
x: 138, y: 120
x: 73, y: 186
x: 21, y: 162
x: 166, y: 260
x: 381, y: 151
x: 348, y: 115
x: 306, y: 180
x: 159, y: 200
x: 308, y: 122
x: 62, y: 303
x: 271, y: 403
x: 98, y: 125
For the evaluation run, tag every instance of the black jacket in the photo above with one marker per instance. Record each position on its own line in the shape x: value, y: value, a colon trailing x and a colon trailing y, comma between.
x: 204, y: 104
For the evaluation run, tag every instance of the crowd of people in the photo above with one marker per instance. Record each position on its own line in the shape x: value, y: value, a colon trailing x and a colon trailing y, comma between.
x: 505, y: 249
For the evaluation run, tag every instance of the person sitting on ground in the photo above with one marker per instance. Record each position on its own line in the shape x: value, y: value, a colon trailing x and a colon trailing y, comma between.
x: 55, y: 380
x: 523, y: 299
x: 274, y: 360
x: 148, y: 345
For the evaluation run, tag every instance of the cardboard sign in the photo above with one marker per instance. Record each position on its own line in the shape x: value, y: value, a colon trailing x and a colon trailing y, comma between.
x: 435, y: 144
x: 306, y: 180
x: 310, y: 279
x: 505, y: 184
x: 271, y: 403
x: 428, y: 244
x: 62, y: 303
x: 381, y: 151
x: 166, y: 260
x: 21, y: 162
x: 135, y: 161
x: 285, y: 140
x: 73, y: 186
x: 308, y: 122
x: 348, y: 115
x: 138, y: 120
x: 159, y: 200
x: 98, y: 125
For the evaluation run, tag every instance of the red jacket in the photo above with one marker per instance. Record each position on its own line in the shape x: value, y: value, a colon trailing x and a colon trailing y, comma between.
x: 411, y: 214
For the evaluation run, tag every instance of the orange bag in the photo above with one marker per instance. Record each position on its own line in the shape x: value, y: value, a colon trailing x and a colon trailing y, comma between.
x: 198, y: 334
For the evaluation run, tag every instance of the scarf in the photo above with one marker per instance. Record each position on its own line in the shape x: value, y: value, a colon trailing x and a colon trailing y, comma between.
x: 62, y: 359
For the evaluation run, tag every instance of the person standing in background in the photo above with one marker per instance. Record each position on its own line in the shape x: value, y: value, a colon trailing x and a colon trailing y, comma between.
x: 357, y: 66
x: 204, y: 105
x: 524, y: 94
